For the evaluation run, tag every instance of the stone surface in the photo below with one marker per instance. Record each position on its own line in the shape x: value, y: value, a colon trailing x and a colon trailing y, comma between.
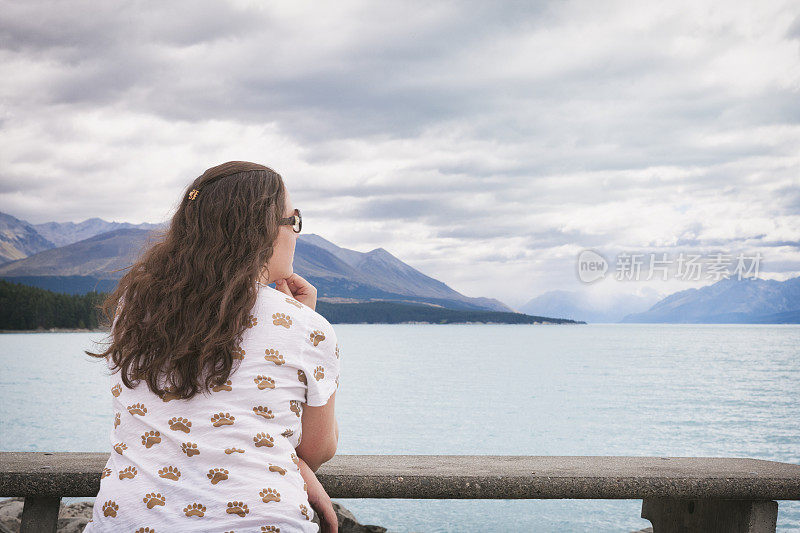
x: 466, y: 476
x: 72, y: 518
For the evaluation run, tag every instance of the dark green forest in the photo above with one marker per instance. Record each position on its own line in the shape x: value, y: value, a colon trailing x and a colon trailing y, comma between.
x: 23, y: 307
x: 29, y: 308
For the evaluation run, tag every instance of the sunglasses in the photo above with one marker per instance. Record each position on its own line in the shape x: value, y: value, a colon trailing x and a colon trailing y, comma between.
x: 296, y: 221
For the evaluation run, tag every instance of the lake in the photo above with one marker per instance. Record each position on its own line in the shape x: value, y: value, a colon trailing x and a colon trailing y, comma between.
x: 598, y: 389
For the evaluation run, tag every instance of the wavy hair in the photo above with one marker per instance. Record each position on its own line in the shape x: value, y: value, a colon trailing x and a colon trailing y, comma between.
x: 182, y: 308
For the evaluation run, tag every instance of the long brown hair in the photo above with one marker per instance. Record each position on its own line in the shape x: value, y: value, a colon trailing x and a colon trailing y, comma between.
x: 185, y: 303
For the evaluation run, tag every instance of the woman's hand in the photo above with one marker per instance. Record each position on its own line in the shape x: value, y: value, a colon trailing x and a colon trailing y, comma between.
x: 319, y: 500
x: 299, y: 289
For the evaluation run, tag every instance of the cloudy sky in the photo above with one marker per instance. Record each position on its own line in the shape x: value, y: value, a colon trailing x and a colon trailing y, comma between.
x: 486, y: 144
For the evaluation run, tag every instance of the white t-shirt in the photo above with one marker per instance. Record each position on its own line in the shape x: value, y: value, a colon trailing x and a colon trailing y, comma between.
x: 223, y: 461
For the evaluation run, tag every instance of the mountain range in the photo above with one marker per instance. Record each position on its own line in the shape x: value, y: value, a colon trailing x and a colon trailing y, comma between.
x: 92, y: 255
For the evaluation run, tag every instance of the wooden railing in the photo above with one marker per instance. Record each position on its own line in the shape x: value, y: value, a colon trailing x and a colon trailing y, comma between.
x: 679, y: 494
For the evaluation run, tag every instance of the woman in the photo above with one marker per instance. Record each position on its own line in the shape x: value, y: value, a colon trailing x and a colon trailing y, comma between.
x: 216, y: 376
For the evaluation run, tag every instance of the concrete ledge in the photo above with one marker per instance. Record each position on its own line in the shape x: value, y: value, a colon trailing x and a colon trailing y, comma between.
x: 56, y: 474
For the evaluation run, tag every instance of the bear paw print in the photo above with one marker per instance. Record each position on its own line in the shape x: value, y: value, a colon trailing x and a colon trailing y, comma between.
x: 274, y: 356
x: 170, y: 472
x: 116, y: 420
x: 129, y: 473
x: 319, y: 373
x: 237, y: 508
x: 336, y: 352
x: 194, y: 509
x: 233, y: 450
x: 116, y: 390
x: 317, y: 337
x: 224, y: 386
x: 262, y: 439
x: 280, y: 319
x: 145, y: 530
x: 238, y: 353
x: 151, y: 438
x: 294, y: 303
x: 295, y: 460
x: 287, y: 433
x: 137, y: 409
x: 270, y: 529
x: 222, y: 419
x: 304, y: 510
x: 190, y: 449
x: 118, y: 447
x: 178, y: 423
x: 260, y: 410
x: 264, y: 382
x: 251, y: 321
x: 276, y: 468
x: 169, y: 395
x: 153, y: 499
x: 301, y: 377
x: 305, y: 486
x: 270, y: 495
x: 294, y: 406
x: 110, y: 508
x: 106, y: 473
x: 217, y: 474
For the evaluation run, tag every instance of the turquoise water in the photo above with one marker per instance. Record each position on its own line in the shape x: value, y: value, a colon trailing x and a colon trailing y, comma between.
x: 599, y: 389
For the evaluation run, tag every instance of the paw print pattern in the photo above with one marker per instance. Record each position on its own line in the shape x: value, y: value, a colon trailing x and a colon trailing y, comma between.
x: 145, y: 530
x: 294, y: 303
x: 190, y: 449
x: 153, y: 499
x: 116, y: 420
x: 251, y: 321
x: 294, y: 406
x: 194, y: 509
x: 276, y: 468
x: 304, y: 511
x: 178, y: 423
x: 238, y: 353
x: 170, y: 395
x: 280, y: 319
x: 295, y: 460
x: 137, y: 409
x: 260, y: 410
x: 151, y: 438
x: 116, y: 390
x: 270, y: 529
x: 317, y: 337
x: 106, y: 473
x: 119, y: 447
x: 274, y: 356
x: 170, y: 472
x: 110, y: 508
x: 336, y: 352
x: 264, y: 382
x: 305, y: 486
x: 301, y: 377
x: 217, y: 474
x: 287, y: 433
x: 337, y: 382
x: 270, y: 495
x: 319, y: 373
x: 233, y: 450
x: 224, y: 386
x: 262, y: 439
x: 237, y: 508
x: 127, y: 473
x: 222, y: 419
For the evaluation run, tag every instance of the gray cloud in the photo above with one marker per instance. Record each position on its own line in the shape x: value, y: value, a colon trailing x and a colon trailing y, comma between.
x: 579, y: 125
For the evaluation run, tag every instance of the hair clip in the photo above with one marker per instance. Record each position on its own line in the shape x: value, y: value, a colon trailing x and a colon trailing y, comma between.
x: 193, y: 194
